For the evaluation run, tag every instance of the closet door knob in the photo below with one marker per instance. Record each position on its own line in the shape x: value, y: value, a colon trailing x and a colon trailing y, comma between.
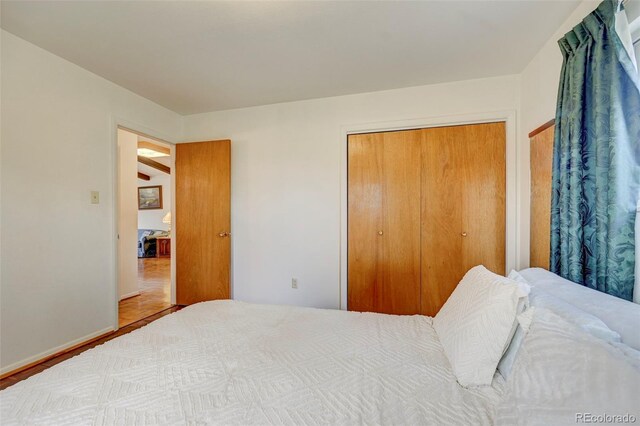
x: 380, y: 232
x: 224, y: 234
x: 464, y: 234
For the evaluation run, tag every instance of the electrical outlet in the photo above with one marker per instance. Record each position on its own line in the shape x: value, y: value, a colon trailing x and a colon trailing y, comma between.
x: 294, y: 283
x: 95, y: 197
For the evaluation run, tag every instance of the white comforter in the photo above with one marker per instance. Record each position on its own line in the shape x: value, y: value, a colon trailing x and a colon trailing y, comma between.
x: 229, y: 362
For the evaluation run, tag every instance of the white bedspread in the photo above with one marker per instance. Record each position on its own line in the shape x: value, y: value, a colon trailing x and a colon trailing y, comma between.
x: 229, y: 362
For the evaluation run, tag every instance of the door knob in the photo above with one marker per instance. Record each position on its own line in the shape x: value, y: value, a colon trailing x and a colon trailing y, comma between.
x: 224, y: 234
x: 464, y: 234
x: 380, y: 232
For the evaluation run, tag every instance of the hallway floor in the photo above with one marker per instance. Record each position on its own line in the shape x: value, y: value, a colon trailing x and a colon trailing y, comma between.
x: 154, y: 279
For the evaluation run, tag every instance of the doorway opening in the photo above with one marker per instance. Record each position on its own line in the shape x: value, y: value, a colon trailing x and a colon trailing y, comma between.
x: 144, y: 226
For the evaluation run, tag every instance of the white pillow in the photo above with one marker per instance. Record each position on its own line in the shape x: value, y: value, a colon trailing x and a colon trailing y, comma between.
x: 563, y: 374
x: 540, y: 298
x: 618, y: 314
x: 524, y: 286
x: 506, y: 362
x: 515, y: 275
x: 476, y: 323
x: 589, y: 323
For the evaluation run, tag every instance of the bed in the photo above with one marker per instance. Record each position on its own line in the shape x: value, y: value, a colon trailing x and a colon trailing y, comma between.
x: 229, y: 362
x: 238, y: 363
x: 147, y: 244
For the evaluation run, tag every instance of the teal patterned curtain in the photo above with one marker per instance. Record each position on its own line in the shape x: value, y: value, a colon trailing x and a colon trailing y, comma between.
x: 596, y: 161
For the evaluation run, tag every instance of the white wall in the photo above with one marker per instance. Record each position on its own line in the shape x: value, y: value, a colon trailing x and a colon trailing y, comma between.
x: 127, y: 214
x: 58, y: 144
x: 541, y: 77
x: 152, y: 219
x: 286, y: 179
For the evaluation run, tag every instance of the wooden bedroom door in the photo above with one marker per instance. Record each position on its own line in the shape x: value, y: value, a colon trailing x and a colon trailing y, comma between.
x: 203, y: 221
x: 384, y: 222
x: 463, y: 206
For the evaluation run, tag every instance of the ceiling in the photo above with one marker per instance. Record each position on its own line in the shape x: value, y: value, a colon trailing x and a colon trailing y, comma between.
x: 203, y: 56
x: 150, y: 171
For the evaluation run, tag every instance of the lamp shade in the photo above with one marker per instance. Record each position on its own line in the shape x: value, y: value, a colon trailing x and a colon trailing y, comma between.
x: 167, y: 218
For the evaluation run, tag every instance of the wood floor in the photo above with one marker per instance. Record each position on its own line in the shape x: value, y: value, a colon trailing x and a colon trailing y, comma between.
x: 154, y: 280
x: 22, y: 375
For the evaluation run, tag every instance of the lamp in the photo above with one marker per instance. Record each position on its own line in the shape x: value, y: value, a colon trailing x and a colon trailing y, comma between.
x: 167, y: 219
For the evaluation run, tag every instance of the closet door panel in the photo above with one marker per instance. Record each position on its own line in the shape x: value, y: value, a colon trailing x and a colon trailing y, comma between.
x: 485, y: 211
x: 384, y: 222
x: 400, y: 290
x: 463, y: 206
x: 442, y: 220
x: 364, y: 220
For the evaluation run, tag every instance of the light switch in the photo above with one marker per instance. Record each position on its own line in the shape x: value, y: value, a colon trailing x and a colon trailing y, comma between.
x: 95, y: 197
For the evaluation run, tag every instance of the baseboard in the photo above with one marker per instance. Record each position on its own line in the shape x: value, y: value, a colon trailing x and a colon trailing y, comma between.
x: 129, y: 295
x: 43, y: 356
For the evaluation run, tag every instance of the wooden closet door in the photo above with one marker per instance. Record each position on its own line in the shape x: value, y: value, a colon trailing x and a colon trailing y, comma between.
x: 203, y: 221
x: 463, y: 206
x: 541, y: 170
x: 384, y: 222
x: 364, y: 212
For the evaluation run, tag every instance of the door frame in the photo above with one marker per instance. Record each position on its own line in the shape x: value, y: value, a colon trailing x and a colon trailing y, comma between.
x: 141, y: 130
x: 514, y: 178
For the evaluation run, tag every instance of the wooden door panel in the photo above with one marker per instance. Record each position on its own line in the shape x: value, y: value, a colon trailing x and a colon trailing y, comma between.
x: 541, y: 168
x: 203, y: 213
x: 384, y: 222
x: 463, y: 206
x: 442, y: 220
x: 400, y: 286
x: 364, y: 221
